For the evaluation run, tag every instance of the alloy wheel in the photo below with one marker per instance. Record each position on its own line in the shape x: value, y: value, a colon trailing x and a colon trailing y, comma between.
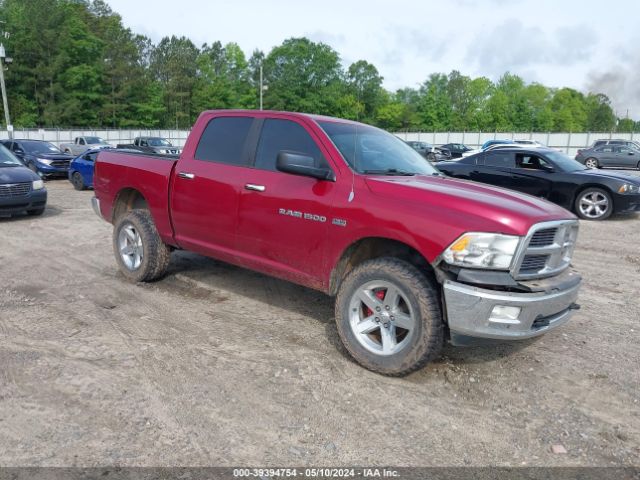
x: 591, y: 163
x: 381, y: 317
x: 130, y: 247
x: 593, y: 204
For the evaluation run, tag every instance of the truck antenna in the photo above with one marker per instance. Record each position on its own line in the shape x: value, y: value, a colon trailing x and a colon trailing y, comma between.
x: 352, y: 193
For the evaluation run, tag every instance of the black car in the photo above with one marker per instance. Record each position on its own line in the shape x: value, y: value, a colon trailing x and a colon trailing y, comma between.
x: 543, y: 172
x: 43, y: 158
x: 456, y: 149
x: 20, y: 189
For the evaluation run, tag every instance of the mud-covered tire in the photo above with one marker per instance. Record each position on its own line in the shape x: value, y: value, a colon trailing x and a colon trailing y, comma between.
x: 422, y: 343
x: 155, y: 255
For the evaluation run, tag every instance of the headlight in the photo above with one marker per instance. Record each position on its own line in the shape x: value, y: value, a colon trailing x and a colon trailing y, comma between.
x: 45, y: 161
x: 38, y: 184
x: 482, y: 250
x: 629, y: 188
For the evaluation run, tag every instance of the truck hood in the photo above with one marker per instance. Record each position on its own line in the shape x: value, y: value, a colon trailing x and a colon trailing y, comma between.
x: 470, y: 205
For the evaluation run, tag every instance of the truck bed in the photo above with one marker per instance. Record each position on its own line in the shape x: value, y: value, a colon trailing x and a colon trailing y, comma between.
x: 149, y: 174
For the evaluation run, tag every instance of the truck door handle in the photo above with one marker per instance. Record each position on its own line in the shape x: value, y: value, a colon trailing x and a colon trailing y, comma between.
x: 187, y: 175
x: 257, y: 188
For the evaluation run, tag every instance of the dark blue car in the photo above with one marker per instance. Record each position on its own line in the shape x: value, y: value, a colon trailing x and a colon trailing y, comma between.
x: 21, y: 190
x: 43, y: 158
x: 81, y: 169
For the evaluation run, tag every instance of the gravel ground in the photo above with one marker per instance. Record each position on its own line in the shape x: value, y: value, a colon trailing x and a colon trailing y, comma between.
x: 216, y: 365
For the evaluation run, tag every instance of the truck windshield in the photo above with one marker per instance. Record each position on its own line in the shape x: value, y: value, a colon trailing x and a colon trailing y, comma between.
x: 370, y: 150
x: 93, y: 140
x: 159, y: 142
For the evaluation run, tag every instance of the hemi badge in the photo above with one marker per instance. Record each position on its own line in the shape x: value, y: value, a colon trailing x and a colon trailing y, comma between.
x: 339, y: 222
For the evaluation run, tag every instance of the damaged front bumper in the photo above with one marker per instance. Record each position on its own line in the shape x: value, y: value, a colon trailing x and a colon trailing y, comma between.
x: 539, y: 306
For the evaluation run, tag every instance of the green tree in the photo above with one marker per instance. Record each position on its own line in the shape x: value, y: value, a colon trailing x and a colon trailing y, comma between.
x: 223, y: 79
x: 434, y: 105
x: 600, y: 116
x: 626, y: 125
x: 174, y: 65
x: 569, y: 112
x: 300, y: 74
x: 365, y: 84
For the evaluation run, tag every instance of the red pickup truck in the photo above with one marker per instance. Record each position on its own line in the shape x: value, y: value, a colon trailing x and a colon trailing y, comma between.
x: 412, y: 257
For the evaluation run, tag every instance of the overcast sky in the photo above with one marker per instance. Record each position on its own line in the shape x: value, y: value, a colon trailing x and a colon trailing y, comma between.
x: 588, y: 45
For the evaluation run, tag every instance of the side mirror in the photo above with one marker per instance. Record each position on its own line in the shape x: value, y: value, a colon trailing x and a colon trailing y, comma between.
x: 304, y: 165
x: 19, y: 152
x: 631, y: 153
x: 547, y: 168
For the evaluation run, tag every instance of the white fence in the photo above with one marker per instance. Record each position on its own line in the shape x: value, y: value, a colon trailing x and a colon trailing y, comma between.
x: 176, y: 137
x: 567, y: 142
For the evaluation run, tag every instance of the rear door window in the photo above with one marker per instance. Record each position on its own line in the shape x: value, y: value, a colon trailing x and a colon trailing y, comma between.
x: 499, y: 159
x: 224, y: 140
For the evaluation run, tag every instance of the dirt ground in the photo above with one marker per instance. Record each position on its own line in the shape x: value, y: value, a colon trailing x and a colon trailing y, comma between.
x: 216, y: 365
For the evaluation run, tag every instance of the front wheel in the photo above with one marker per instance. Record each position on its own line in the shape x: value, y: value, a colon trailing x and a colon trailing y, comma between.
x: 388, y: 316
x: 140, y: 252
x: 594, y: 204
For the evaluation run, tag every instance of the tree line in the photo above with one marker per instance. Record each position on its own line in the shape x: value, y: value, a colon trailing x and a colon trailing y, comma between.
x: 75, y: 64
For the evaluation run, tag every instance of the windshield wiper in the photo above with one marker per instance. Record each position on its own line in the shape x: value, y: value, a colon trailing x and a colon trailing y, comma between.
x: 390, y: 171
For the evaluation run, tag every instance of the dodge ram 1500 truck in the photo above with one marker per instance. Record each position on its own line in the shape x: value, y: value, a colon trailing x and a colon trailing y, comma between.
x: 412, y: 257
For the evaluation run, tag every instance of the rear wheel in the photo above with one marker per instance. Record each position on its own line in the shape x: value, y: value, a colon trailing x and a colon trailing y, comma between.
x: 388, y: 316
x: 591, y: 163
x: 594, y: 204
x: 140, y: 252
x: 77, y: 181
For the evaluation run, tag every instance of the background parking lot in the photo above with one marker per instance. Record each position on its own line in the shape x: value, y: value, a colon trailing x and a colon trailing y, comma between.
x: 216, y: 365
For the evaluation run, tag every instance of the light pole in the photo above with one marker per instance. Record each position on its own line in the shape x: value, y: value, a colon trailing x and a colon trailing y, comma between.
x: 262, y: 87
x: 5, y: 104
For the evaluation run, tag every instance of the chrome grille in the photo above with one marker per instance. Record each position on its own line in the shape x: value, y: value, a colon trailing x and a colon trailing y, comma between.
x: 546, y: 250
x: 14, y: 189
x: 533, y: 263
x: 543, y: 238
